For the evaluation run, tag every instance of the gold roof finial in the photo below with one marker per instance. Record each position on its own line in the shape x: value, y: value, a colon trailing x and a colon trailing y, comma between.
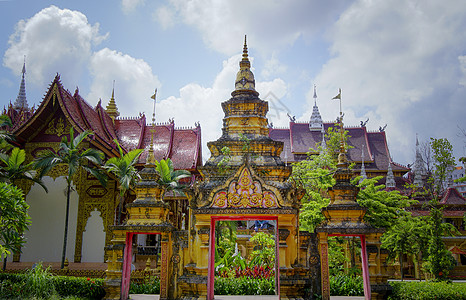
x: 245, y: 81
x: 112, y: 109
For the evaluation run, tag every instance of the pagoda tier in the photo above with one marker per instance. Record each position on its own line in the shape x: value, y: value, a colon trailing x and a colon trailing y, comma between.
x: 245, y: 132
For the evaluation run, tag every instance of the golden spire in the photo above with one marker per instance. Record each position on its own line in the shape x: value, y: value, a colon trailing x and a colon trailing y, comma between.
x: 245, y: 81
x: 112, y: 109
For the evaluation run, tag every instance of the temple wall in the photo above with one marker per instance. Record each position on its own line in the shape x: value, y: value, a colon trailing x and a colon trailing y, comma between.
x: 44, y: 240
x: 94, y: 239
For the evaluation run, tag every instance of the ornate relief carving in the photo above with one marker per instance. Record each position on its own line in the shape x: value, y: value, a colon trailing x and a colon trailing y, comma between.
x: 58, y: 127
x: 245, y: 193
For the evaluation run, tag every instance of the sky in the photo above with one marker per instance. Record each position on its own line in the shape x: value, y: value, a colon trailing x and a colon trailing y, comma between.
x: 398, y: 63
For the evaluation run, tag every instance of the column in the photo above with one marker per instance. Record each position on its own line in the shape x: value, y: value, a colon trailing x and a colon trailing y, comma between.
x: 323, y: 247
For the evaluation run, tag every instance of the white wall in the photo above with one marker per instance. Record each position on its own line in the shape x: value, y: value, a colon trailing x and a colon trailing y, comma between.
x: 93, y: 239
x: 44, y: 240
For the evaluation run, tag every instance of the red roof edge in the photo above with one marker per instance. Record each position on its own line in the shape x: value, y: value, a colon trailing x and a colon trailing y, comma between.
x: 170, y: 143
x: 142, y: 122
x: 198, y: 152
x: 366, y: 138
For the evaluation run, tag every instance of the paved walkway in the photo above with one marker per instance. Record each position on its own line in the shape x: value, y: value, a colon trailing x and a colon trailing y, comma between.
x: 221, y: 297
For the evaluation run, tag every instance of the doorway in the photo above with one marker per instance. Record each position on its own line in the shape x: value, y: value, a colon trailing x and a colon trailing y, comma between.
x: 211, y: 264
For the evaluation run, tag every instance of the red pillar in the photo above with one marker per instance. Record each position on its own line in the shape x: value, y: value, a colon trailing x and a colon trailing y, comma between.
x: 211, y: 271
x: 127, y: 259
x: 365, y: 268
x: 164, y: 280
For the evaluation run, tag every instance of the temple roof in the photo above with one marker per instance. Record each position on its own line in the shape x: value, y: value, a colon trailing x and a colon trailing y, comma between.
x: 452, y: 196
x: 298, y: 139
x: 131, y: 133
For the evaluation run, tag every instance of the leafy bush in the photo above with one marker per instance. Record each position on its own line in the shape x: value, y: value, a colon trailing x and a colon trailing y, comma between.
x: 244, y: 286
x: 427, y: 290
x: 344, y: 285
x: 89, y: 288
x: 40, y: 284
x: 151, y: 287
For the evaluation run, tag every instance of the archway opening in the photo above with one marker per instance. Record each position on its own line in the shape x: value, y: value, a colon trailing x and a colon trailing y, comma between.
x: 264, y: 228
x: 140, y: 246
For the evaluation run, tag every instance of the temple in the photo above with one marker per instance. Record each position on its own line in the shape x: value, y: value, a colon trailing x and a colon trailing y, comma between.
x: 245, y: 179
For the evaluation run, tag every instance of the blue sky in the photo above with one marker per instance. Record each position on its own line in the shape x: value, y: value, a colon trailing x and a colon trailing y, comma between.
x: 401, y: 63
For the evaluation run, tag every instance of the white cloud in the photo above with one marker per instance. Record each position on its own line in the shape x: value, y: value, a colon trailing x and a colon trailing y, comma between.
x: 129, y: 6
x: 164, y: 16
x: 198, y: 103
x: 401, y: 64
x: 270, y: 24
x: 53, y: 40
x: 134, y: 81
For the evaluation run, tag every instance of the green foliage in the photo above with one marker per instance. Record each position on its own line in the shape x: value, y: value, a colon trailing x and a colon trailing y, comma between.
x: 222, y: 165
x: 344, y: 285
x: 14, y: 219
x: 123, y: 168
x: 442, y: 153
x: 13, y: 168
x: 427, y: 290
x: 169, y: 177
x: 264, y: 250
x: 244, y: 286
x: 383, y: 207
x: 40, y: 284
x: 150, y: 287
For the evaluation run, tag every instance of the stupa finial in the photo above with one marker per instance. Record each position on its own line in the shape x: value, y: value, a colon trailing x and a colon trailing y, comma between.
x: 112, y: 109
x: 245, y: 81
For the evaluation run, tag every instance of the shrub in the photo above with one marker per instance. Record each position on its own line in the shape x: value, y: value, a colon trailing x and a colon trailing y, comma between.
x: 244, y: 286
x: 151, y: 287
x: 39, y: 284
x: 345, y: 285
x: 427, y: 290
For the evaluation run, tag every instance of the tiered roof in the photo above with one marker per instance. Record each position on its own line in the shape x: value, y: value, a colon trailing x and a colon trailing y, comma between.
x: 298, y: 140
x: 183, y: 146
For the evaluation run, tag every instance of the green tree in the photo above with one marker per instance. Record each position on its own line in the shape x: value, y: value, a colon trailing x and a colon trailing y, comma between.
x: 5, y: 136
x: 438, y: 260
x: 264, y: 250
x: 123, y: 168
x: 408, y: 235
x: 169, y: 177
x: 71, y: 154
x: 14, y: 219
x: 13, y: 168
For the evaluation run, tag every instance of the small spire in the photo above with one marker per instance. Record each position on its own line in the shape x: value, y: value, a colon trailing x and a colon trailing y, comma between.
x: 363, y: 169
x: 112, y: 109
x: 21, y: 102
x: 150, y: 161
x: 315, y: 123
x: 390, y: 180
x: 418, y: 168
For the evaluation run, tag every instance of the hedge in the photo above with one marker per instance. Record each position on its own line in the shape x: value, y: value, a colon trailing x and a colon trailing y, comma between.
x: 427, y: 290
x: 15, y: 286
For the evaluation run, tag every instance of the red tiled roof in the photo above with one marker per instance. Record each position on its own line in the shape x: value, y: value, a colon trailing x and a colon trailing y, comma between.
x: 452, y: 196
x: 183, y: 146
x: 299, y: 139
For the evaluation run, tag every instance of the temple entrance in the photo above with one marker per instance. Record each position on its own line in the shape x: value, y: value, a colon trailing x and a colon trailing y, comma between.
x: 128, y: 266
x: 260, y: 222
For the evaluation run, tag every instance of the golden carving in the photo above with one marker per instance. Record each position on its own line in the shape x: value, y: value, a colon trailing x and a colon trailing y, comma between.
x: 58, y: 127
x: 245, y: 193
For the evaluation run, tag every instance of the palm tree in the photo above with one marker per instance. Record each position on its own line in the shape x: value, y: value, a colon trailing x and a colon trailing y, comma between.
x: 169, y: 177
x: 71, y: 154
x: 13, y: 168
x: 123, y: 168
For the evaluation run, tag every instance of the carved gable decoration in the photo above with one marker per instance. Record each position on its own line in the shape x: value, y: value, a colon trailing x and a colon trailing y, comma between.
x: 58, y: 127
x: 245, y: 192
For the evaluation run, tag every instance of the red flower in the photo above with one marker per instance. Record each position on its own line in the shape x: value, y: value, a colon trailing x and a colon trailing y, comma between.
x: 88, y: 279
x: 440, y: 273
